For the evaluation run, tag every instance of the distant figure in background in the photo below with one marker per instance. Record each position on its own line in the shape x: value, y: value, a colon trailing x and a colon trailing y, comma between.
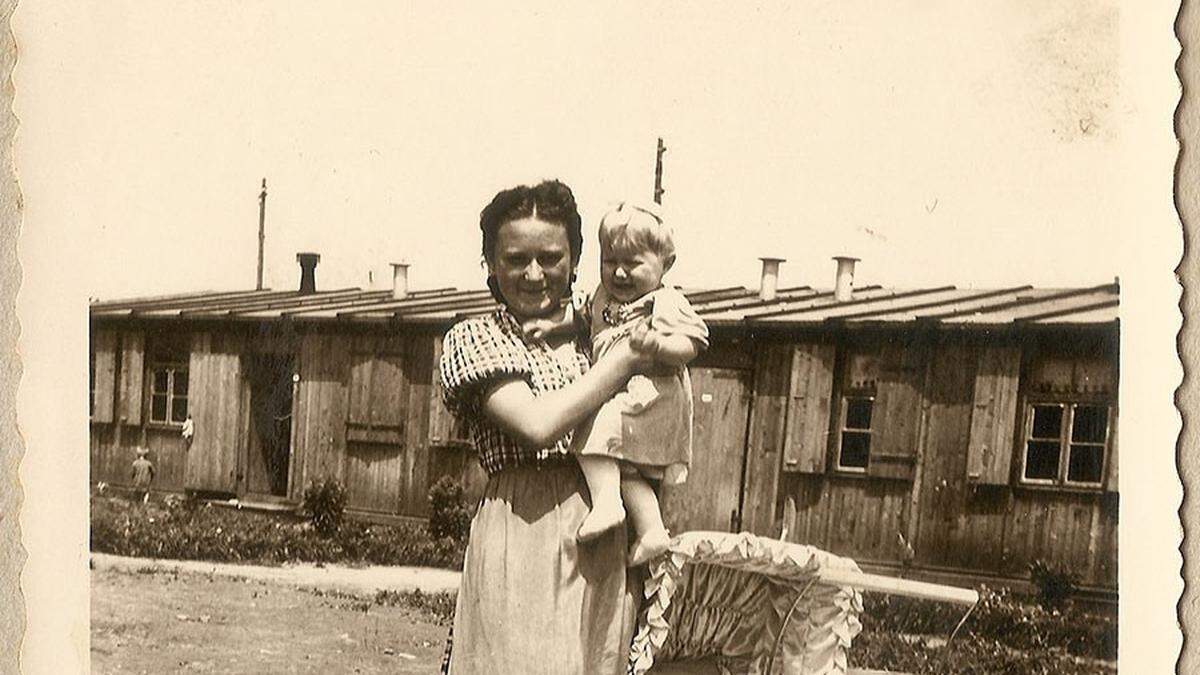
x: 143, y: 473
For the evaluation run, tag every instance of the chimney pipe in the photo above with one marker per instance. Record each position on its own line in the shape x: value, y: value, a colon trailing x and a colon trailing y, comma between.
x: 308, y: 272
x: 770, y: 278
x: 843, y: 288
x: 399, y: 280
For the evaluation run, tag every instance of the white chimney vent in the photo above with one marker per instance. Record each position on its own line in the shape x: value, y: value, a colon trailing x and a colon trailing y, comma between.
x: 399, y: 280
x: 843, y: 287
x: 769, y: 282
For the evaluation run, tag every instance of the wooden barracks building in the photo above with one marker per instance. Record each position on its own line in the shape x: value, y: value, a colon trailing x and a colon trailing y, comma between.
x: 948, y: 431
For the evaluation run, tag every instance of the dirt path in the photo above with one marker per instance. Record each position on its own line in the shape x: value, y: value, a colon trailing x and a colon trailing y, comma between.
x: 188, y: 621
x: 350, y: 579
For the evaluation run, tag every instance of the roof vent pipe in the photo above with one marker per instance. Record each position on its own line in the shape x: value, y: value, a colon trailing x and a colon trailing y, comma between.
x: 843, y: 288
x: 399, y: 280
x: 308, y: 272
x: 769, y: 282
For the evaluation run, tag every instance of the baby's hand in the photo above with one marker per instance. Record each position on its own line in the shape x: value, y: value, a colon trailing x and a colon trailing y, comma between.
x: 644, y: 339
x: 537, y: 329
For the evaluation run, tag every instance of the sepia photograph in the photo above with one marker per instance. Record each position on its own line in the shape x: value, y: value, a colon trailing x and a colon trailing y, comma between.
x: 624, y: 338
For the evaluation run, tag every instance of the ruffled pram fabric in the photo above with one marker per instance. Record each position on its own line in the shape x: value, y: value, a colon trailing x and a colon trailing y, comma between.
x: 748, y: 605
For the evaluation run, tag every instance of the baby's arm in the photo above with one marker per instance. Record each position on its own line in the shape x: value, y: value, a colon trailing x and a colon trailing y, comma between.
x: 672, y: 350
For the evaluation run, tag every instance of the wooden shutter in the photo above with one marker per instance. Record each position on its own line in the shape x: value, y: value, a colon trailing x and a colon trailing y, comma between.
x: 807, y: 435
x: 104, y: 354
x: 214, y: 401
x: 994, y: 415
x: 378, y: 392
x: 896, y: 414
x: 444, y: 428
x: 129, y: 396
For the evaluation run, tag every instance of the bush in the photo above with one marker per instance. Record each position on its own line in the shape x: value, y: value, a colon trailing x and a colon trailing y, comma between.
x: 184, y: 530
x: 1055, y: 583
x: 448, y: 514
x: 998, y: 617
x: 325, y: 504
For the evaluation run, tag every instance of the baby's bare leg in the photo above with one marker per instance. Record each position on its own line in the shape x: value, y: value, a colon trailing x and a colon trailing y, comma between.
x: 603, y: 478
x: 651, y: 537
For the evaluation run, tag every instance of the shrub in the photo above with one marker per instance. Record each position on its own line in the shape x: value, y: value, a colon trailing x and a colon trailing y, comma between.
x: 998, y: 617
x: 207, y: 532
x: 1055, y: 583
x: 325, y: 503
x: 449, y: 516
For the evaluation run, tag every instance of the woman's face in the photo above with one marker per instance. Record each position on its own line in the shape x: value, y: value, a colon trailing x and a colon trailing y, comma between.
x: 532, y: 266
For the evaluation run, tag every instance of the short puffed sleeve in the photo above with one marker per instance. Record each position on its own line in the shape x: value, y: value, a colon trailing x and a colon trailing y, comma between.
x: 674, y: 315
x: 476, y: 353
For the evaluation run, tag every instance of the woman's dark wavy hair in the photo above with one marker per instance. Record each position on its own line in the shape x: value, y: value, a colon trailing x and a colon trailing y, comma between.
x: 550, y: 200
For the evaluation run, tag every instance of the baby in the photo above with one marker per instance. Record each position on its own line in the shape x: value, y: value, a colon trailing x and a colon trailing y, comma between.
x: 645, y: 430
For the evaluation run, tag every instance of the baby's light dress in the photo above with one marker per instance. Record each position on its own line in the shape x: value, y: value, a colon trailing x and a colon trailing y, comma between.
x: 648, y: 423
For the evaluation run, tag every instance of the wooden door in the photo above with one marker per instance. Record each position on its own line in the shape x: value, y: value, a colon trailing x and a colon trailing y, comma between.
x: 268, y: 391
x: 711, y: 497
x: 214, y: 399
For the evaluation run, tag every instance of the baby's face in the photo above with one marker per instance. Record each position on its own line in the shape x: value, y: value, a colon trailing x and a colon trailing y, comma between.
x: 628, y: 273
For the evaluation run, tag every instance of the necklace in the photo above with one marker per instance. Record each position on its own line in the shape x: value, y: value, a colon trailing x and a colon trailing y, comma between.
x: 617, y: 313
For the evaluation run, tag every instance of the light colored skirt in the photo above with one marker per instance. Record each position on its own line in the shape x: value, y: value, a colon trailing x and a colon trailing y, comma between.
x: 532, y: 601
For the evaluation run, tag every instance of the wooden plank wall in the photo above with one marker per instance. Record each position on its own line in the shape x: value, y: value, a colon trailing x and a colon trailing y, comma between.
x: 319, y: 443
x: 215, y: 404
x: 391, y: 478
x: 112, y: 462
x: 986, y: 529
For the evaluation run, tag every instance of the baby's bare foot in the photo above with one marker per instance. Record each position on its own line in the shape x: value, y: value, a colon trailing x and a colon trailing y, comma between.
x: 603, y: 518
x: 648, y: 547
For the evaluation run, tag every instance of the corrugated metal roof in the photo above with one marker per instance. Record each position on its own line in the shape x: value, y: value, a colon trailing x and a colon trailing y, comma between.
x: 798, y: 306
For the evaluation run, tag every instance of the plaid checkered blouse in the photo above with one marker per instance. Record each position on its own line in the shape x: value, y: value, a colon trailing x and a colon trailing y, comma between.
x: 481, y: 351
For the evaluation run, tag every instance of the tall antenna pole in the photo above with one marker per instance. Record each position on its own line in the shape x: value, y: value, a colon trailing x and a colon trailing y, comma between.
x: 262, y: 216
x: 658, y: 188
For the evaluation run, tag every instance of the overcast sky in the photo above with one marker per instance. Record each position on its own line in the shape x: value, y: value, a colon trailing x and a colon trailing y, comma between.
x: 977, y: 144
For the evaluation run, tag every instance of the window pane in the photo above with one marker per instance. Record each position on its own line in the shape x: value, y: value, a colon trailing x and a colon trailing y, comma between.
x: 858, y: 413
x: 179, y: 385
x: 1041, y: 460
x: 158, y: 408
x: 856, y: 447
x: 178, y: 409
x: 1047, y: 421
x: 1089, y: 424
x: 160, y: 380
x: 1086, y: 463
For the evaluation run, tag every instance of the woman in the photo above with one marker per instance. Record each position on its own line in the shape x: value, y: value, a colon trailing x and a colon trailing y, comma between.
x: 532, y: 600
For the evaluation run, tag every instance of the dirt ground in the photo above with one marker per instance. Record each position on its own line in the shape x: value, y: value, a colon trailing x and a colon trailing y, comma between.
x: 189, y: 622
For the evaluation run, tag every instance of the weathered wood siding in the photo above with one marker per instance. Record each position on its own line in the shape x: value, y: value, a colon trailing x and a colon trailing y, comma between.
x: 319, y: 446
x: 996, y: 529
x: 215, y: 404
x: 112, y: 461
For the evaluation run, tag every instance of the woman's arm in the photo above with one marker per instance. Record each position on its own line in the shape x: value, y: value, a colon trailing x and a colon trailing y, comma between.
x: 539, y: 421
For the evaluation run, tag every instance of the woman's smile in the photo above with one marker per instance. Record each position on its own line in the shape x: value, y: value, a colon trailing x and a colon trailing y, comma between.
x: 532, y: 266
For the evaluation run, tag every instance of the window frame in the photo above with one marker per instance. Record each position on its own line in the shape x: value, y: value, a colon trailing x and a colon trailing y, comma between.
x: 172, y: 367
x: 1066, y: 429
x: 846, y: 397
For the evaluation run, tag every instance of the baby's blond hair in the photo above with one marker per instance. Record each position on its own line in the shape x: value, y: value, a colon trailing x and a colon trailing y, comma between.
x: 638, y: 226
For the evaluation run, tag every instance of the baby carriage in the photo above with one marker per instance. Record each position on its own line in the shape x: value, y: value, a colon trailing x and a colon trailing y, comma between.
x: 739, y: 603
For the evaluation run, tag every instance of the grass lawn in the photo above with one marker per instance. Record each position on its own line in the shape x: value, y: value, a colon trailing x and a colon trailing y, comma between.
x: 166, y: 623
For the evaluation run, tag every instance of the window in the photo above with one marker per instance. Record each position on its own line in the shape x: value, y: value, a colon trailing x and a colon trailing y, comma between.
x: 1065, y: 443
x: 854, y: 446
x: 168, y: 373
